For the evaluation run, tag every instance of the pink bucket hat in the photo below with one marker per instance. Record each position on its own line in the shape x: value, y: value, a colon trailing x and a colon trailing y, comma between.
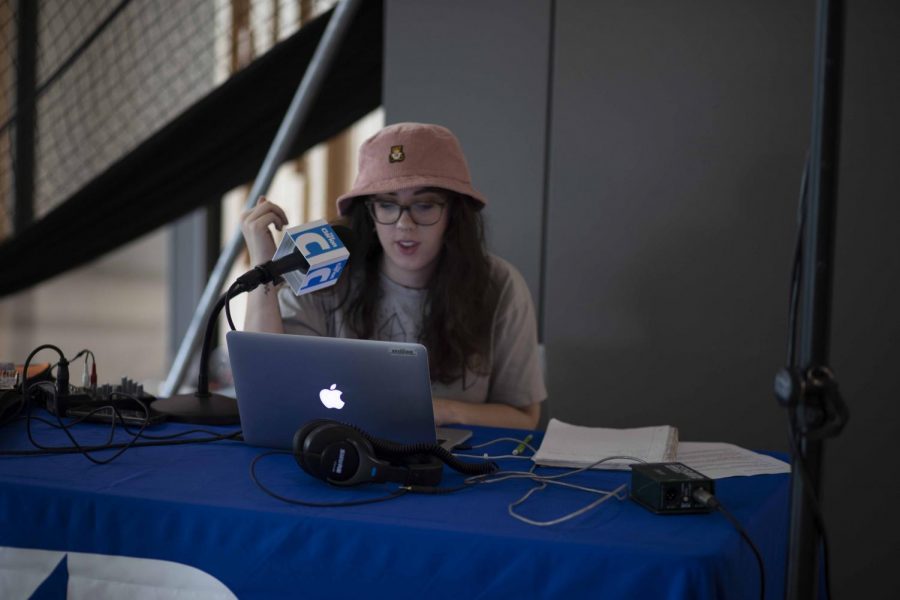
x: 408, y: 155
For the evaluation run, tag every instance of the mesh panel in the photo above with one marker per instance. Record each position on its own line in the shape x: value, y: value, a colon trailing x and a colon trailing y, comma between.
x: 8, y: 41
x: 110, y: 73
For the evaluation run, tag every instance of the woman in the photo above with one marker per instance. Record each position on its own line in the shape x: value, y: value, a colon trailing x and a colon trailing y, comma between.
x: 420, y: 274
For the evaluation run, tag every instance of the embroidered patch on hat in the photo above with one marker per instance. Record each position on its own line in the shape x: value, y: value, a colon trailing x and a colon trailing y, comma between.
x: 396, y: 154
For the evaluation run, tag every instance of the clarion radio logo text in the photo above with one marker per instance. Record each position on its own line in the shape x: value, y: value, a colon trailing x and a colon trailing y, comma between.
x: 403, y: 352
x: 338, y: 467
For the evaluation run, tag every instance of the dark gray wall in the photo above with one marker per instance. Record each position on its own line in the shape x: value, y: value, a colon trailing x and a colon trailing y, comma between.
x: 677, y: 138
x: 454, y: 64
x: 677, y: 145
x: 861, y: 488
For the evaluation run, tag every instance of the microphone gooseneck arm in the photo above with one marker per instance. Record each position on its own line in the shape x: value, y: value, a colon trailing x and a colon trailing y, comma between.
x: 203, y: 376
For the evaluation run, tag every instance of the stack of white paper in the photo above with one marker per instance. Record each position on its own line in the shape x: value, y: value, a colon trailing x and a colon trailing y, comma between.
x: 567, y: 445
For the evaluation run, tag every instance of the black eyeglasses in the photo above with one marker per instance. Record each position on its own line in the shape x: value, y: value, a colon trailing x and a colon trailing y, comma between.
x: 422, y: 213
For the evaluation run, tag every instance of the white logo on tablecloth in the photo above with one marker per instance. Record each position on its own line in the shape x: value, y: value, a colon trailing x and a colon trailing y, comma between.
x: 25, y: 570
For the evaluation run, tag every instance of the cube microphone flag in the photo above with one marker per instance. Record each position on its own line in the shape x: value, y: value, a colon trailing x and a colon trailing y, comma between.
x: 324, y: 251
x: 310, y: 257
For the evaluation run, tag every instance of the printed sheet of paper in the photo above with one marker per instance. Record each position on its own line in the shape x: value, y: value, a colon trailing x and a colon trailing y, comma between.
x: 718, y: 460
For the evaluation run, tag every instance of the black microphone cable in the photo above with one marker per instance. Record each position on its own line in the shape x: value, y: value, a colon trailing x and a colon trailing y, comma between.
x: 704, y: 497
x: 87, y: 450
x: 52, y: 451
x: 58, y: 401
x: 213, y: 435
x: 400, y: 491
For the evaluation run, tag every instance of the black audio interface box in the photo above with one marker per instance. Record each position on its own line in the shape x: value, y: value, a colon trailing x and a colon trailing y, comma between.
x: 668, y: 488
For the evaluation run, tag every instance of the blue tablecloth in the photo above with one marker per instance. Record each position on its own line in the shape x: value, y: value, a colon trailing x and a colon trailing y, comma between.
x: 197, y: 505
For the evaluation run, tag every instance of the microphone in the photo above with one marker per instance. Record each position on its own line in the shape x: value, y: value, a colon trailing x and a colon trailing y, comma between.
x: 295, y: 261
x: 311, y: 257
x: 271, y: 270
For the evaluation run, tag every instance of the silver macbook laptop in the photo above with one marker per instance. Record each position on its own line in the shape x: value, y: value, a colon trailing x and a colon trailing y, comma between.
x: 284, y: 381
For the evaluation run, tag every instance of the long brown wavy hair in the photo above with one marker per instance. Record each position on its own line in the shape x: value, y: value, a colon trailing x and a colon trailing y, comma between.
x: 461, y: 297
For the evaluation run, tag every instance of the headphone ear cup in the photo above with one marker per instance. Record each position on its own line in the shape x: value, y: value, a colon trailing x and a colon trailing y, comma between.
x: 340, y: 463
x: 304, y: 432
x: 341, y: 455
x: 333, y: 452
x: 307, y: 459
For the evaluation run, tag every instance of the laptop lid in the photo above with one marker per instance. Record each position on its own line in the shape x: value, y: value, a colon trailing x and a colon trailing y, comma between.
x: 284, y: 381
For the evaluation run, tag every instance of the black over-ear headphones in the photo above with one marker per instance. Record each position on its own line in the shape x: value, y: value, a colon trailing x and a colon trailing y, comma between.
x: 344, y: 455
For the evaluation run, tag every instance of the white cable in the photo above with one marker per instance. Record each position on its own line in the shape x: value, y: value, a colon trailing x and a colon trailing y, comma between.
x: 491, y: 457
x: 496, y: 440
x: 502, y: 475
x: 544, y: 480
x: 613, y: 494
x: 497, y: 456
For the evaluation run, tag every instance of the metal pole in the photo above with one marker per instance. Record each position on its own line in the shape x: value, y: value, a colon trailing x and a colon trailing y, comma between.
x: 287, y: 132
x: 26, y: 112
x: 816, y: 286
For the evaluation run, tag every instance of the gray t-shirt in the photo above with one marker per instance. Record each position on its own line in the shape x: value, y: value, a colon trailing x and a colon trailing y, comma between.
x: 515, y: 376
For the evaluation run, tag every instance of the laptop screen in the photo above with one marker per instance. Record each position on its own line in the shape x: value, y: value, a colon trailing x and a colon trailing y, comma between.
x: 284, y: 381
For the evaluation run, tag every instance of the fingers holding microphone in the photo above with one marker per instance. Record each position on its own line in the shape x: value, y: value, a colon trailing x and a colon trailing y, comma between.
x: 255, y: 224
x: 265, y: 213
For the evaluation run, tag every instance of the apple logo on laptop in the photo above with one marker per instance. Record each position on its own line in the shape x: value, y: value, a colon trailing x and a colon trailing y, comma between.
x: 331, y: 397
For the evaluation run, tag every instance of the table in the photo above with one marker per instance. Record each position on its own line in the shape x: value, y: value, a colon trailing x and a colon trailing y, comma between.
x: 195, y: 505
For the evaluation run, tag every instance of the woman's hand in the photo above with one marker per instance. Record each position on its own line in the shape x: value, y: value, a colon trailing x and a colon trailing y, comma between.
x: 443, y: 412
x: 255, y: 227
x: 448, y: 412
x: 263, y: 313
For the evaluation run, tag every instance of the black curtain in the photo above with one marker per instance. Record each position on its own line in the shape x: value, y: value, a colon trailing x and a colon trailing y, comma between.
x: 214, y: 146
